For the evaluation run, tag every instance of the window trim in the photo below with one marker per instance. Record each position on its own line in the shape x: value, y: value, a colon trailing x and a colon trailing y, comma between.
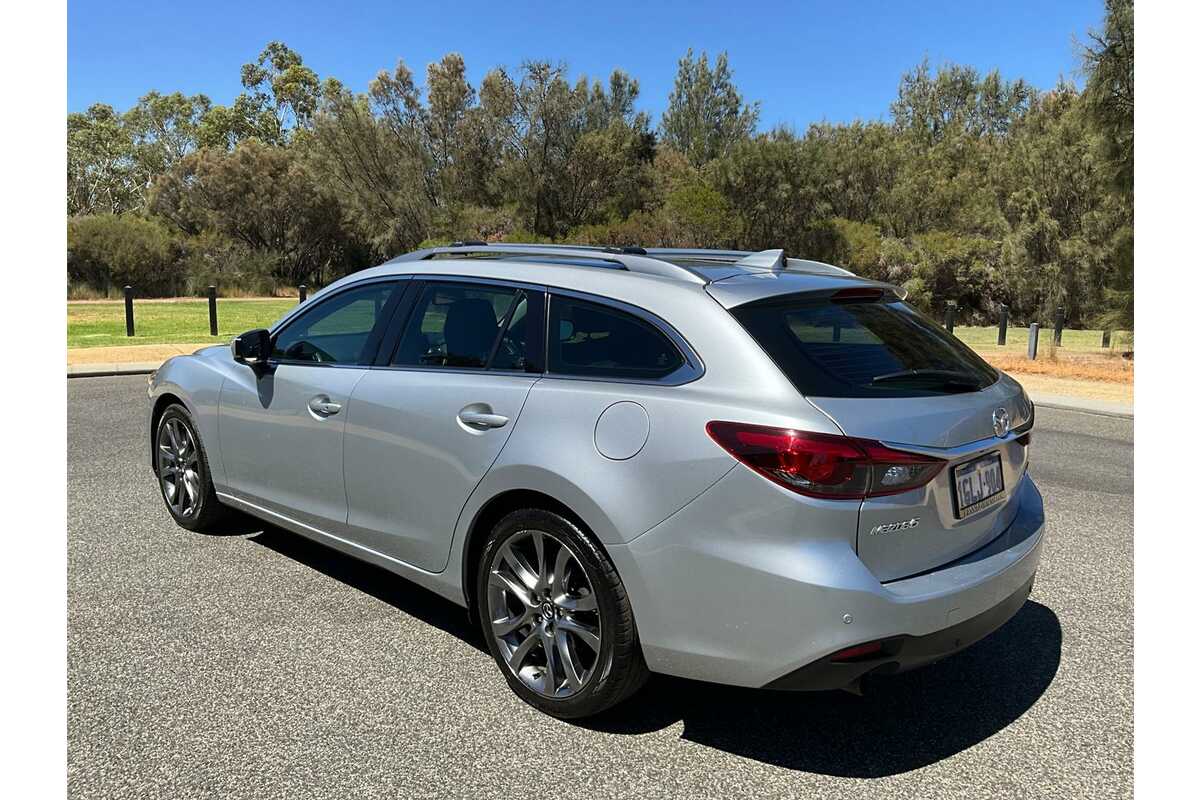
x: 691, y: 370
x: 535, y: 293
x: 374, y: 337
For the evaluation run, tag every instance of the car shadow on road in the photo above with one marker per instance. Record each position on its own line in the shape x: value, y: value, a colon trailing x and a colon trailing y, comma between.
x: 404, y: 595
x: 901, y: 723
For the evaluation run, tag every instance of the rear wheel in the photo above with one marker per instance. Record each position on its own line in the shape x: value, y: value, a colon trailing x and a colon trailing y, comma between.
x: 556, y: 616
x: 184, y: 478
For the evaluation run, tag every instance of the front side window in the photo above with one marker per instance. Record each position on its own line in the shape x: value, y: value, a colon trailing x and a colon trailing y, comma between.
x: 337, y: 330
x: 461, y: 325
x: 595, y: 340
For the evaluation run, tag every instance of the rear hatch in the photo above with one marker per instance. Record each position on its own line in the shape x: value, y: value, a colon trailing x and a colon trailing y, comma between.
x: 884, y: 372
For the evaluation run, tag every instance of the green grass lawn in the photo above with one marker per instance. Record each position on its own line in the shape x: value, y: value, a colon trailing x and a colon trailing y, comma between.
x: 175, y: 322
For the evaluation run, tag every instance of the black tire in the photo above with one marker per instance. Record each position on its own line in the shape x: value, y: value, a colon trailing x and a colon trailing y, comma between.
x: 205, y: 512
x: 619, y: 669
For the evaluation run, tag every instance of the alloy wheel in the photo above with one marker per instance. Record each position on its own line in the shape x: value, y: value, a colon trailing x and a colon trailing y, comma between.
x: 179, y: 467
x: 543, y: 614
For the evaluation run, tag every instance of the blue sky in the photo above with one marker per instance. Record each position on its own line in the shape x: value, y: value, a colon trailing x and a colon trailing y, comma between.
x: 805, y: 61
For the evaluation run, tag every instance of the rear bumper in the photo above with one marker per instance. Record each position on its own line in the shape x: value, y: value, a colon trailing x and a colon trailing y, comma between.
x: 903, y: 653
x: 728, y: 591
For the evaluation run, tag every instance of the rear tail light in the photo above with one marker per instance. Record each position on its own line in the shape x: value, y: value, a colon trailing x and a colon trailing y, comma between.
x: 823, y: 465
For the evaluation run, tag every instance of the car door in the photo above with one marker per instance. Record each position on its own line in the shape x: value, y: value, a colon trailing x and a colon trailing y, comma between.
x: 282, y: 425
x: 424, y: 428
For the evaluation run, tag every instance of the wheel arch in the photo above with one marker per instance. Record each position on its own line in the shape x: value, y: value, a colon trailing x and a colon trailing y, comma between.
x: 496, y: 509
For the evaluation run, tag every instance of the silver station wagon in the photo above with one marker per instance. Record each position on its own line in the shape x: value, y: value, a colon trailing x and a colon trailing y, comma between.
x: 732, y: 467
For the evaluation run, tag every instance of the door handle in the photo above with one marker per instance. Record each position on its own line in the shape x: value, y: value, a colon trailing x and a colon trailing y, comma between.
x: 482, y: 420
x: 321, y: 404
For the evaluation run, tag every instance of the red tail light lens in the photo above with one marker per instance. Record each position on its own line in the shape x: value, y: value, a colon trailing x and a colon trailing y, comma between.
x: 823, y: 465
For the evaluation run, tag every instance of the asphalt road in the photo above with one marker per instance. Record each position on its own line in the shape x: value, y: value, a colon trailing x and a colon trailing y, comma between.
x: 257, y: 664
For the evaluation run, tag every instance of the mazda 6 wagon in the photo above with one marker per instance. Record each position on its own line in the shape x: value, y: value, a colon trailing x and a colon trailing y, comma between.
x: 733, y: 467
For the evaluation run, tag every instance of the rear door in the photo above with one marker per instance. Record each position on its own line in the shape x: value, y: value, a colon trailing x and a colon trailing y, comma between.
x: 427, y: 423
x: 882, y: 371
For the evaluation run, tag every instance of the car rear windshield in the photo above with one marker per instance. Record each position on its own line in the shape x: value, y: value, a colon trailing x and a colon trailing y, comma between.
x: 864, y: 348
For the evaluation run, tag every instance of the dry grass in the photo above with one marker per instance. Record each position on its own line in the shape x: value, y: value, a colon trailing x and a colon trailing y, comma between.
x: 1057, y: 363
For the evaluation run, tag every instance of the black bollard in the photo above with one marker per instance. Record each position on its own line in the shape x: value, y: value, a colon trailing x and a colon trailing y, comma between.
x: 1060, y: 318
x: 303, y: 293
x: 212, y: 310
x: 129, y: 311
x: 1002, y: 338
x: 1033, y: 340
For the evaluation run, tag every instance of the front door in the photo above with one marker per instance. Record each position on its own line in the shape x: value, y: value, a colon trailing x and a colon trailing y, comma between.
x: 424, y: 430
x: 281, y: 427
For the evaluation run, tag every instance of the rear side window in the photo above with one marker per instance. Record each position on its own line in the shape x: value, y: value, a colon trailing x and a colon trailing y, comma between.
x: 595, y: 340
x: 863, y: 348
x: 462, y: 325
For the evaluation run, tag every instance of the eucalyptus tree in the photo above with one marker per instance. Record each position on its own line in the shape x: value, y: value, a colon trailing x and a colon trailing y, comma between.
x: 101, y: 173
x: 164, y: 128
x: 280, y: 96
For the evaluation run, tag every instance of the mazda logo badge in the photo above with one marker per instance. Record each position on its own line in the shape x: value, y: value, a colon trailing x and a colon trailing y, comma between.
x: 1000, y: 421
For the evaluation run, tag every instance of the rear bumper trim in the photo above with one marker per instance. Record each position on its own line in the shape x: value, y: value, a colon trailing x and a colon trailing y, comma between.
x: 901, y: 653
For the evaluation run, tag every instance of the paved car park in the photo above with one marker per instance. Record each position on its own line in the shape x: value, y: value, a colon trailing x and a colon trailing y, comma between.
x: 258, y: 664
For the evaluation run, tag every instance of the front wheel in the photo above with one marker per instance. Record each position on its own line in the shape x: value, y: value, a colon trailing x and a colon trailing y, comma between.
x: 556, y: 616
x: 184, y: 479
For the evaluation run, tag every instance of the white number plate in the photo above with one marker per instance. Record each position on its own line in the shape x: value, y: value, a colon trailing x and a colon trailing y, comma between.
x: 978, y: 484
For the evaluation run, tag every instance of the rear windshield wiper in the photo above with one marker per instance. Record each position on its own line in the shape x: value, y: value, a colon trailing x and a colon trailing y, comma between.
x: 946, y: 376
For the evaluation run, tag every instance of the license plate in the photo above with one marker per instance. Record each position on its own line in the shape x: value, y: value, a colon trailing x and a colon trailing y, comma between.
x: 978, y: 484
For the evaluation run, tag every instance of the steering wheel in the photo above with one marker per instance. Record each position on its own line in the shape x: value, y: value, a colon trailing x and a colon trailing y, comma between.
x: 307, y: 351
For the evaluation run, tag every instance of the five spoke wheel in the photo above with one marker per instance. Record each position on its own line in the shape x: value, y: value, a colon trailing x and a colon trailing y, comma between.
x: 179, y: 467
x: 543, y: 613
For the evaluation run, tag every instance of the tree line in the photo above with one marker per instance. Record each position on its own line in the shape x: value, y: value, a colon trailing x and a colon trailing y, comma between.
x: 975, y: 189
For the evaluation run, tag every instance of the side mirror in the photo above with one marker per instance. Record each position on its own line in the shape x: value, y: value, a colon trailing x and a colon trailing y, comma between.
x: 252, y: 348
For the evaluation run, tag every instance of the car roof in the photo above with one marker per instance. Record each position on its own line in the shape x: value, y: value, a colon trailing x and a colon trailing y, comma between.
x: 731, y: 277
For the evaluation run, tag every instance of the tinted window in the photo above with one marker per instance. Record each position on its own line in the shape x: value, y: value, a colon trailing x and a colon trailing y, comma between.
x: 336, y: 330
x: 590, y: 339
x: 459, y: 325
x: 863, y: 349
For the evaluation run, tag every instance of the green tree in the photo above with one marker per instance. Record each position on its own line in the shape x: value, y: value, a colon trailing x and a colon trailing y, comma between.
x: 1108, y: 101
x: 705, y: 114
x: 956, y: 99
x: 100, y: 167
x: 370, y: 152
x: 164, y: 129
x: 108, y: 251
x: 262, y: 197
x: 280, y: 97
x: 567, y: 154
